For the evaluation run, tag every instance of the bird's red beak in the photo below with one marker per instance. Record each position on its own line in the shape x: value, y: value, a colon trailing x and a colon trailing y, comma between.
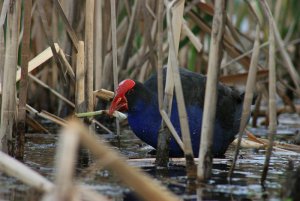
x: 118, y: 103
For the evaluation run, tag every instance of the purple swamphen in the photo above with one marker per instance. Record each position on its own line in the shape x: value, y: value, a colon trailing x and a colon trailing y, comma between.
x: 141, y: 103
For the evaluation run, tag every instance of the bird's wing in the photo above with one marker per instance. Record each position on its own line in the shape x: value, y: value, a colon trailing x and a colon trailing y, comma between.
x: 229, y: 104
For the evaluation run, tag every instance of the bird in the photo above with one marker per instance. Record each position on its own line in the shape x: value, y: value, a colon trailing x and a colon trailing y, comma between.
x: 140, y: 102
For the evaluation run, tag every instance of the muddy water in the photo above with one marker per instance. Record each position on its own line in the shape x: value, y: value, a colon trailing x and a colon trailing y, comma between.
x: 245, y: 185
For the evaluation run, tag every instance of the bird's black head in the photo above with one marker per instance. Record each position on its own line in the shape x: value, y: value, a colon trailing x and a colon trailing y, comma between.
x: 126, y: 95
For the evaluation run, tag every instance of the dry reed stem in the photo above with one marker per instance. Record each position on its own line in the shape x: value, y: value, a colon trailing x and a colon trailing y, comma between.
x: 277, y: 145
x: 272, y: 95
x: 173, y: 51
x: 89, y: 53
x: 8, y: 106
x: 2, y: 58
x: 194, y: 39
x: 17, y: 169
x: 66, y: 157
x: 65, y: 62
x: 234, y: 32
x: 148, y: 35
x: 54, y: 92
x: 249, y: 94
x: 67, y: 24
x: 102, y: 126
x: 114, y: 50
x: 254, y: 13
x: 4, y: 10
x: 117, y: 114
x: 130, y: 35
x: 146, y: 187
x: 281, y: 91
x: 122, y: 32
x: 98, y: 40
x: 106, y: 29
x: 36, y: 126
x: 170, y: 126
x: 104, y: 94
x: 159, y: 42
x: 44, y: 22
x: 46, y: 115
x: 175, y: 23
x: 2, y: 54
x: 243, y: 55
x: 241, y: 78
x: 25, y: 56
x: 38, y: 60
x: 79, y: 84
x: 30, y: 177
x: 290, y: 67
x: 210, y: 102
x: 105, y: 81
x: 162, y: 156
x: 5, y: 7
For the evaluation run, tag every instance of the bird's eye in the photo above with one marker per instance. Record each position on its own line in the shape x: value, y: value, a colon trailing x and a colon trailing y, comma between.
x: 130, y: 92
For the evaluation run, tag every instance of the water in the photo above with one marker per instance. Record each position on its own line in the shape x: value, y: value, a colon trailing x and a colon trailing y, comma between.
x: 245, y: 185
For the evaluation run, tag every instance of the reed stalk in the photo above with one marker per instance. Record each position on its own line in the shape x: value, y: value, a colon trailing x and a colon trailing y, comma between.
x: 194, y: 39
x: 20, y: 171
x: 175, y: 22
x: 44, y: 22
x: 114, y: 50
x: 2, y: 44
x: 130, y: 34
x: 173, y: 51
x: 210, y: 102
x: 8, y: 107
x: 89, y: 53
x: 116, y: 114
x: 159, y: 42
x: 5, y: 7
x: 37, y: 61
x: 67, y: 24
x: 171, y: 128
x: 54, y: 92
x: 98, y: 45
x: 248, y: 98
x: 162, y: 155
x: 3, y: 13
x: 25, y: 56
x: 80, y: 105
x: 30, y: 177
x: 272, y: 93
x: 66, y: 157
x: 66, y: 64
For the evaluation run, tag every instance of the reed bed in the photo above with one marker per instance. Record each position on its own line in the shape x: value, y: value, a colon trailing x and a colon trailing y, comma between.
x: 71, y: 52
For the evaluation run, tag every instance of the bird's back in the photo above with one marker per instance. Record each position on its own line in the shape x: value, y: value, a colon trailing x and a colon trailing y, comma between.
x: 229, y: 103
